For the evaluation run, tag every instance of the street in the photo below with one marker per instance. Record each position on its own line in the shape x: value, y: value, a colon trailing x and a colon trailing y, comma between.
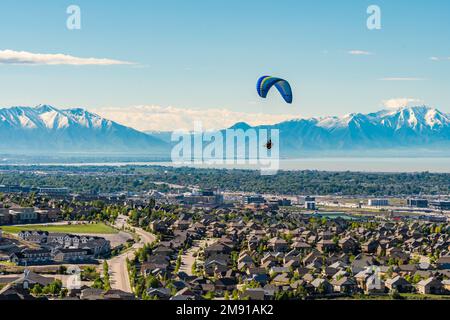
x: 118, y: 266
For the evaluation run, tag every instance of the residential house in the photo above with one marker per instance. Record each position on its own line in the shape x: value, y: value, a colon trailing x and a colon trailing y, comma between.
x: 399, y: 283
x: 29, y: 257
x: 443, y: 263
x: 322, y: 286
x: 430, y: 286
x: 345, y: 285
x: 348, y: 245
x: 278, y: 245
x: 326, y: 245
x: 369, y: 246
x: 72, y: 255
x: 254, y: 294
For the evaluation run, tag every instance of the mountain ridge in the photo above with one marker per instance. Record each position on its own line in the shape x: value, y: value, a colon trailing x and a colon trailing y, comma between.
x: 45, y: 128
x: 405, y: 127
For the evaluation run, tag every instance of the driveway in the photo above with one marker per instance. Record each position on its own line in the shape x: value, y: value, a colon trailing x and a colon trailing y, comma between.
x: 189, y: 257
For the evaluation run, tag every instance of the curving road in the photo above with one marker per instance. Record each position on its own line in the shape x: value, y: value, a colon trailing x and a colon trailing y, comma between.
x: 118, y: 266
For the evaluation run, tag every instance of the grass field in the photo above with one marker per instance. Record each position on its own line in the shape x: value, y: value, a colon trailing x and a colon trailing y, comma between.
x: 98, y: 228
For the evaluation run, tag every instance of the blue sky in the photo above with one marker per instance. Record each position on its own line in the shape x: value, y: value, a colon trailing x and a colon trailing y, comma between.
x: 206, y: 55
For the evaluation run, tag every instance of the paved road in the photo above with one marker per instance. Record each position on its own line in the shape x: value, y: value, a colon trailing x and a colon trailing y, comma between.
x: 118, y: 266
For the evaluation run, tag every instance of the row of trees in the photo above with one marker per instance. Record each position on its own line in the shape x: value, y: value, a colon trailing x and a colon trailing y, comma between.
x: 101, y: 282
x: 54, y: 289
x: 285, y: 182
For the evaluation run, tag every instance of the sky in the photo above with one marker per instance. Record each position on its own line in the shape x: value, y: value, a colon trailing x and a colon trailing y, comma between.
x: 159, y: 65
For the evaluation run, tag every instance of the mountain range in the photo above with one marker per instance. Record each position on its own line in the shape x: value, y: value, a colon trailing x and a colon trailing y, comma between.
x: 45, y: 129
x: 408, y: 128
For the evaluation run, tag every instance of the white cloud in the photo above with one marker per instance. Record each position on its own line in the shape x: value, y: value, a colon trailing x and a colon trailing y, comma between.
x: 401, y: 102
x: 29, y: 58
x: 440, y: 58
x: 402, y: 79
x: 360, y: 53
x: 157, y: 118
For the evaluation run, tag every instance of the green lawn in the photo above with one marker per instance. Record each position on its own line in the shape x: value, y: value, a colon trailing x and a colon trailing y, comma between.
x: 98, y: 228
x: 411, y: 296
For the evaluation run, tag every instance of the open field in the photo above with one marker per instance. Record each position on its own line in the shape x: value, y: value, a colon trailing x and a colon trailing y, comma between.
x: 98, y: 228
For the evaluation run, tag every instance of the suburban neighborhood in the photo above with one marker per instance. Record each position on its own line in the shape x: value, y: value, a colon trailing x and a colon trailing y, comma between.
x: 204, y: 244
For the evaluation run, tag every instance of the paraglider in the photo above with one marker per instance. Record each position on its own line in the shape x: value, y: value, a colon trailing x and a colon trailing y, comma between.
x: 263, y: 87
x: 269, y: 144
x: 267, y: 82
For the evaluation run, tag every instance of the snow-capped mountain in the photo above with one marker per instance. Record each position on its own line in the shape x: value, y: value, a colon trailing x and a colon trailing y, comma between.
x: 410, y: 128
x: 48, y: 117
x: 48, y: 129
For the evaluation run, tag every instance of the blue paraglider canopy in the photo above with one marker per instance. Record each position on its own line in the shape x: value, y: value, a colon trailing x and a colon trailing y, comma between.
x: 267, y: 82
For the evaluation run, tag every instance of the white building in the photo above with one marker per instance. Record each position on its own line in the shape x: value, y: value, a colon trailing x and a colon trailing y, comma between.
x: 378, y: 202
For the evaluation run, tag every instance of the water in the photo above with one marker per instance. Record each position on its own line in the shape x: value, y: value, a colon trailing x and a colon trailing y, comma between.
x: 441, y: 165
x: 391, y: 164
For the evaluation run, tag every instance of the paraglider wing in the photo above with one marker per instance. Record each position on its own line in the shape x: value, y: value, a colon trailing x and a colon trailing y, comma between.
x: 266, y: 83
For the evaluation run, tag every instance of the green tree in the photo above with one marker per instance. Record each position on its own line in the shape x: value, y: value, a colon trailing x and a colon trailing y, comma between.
x: 106, y: 280
x: 36, y: 290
